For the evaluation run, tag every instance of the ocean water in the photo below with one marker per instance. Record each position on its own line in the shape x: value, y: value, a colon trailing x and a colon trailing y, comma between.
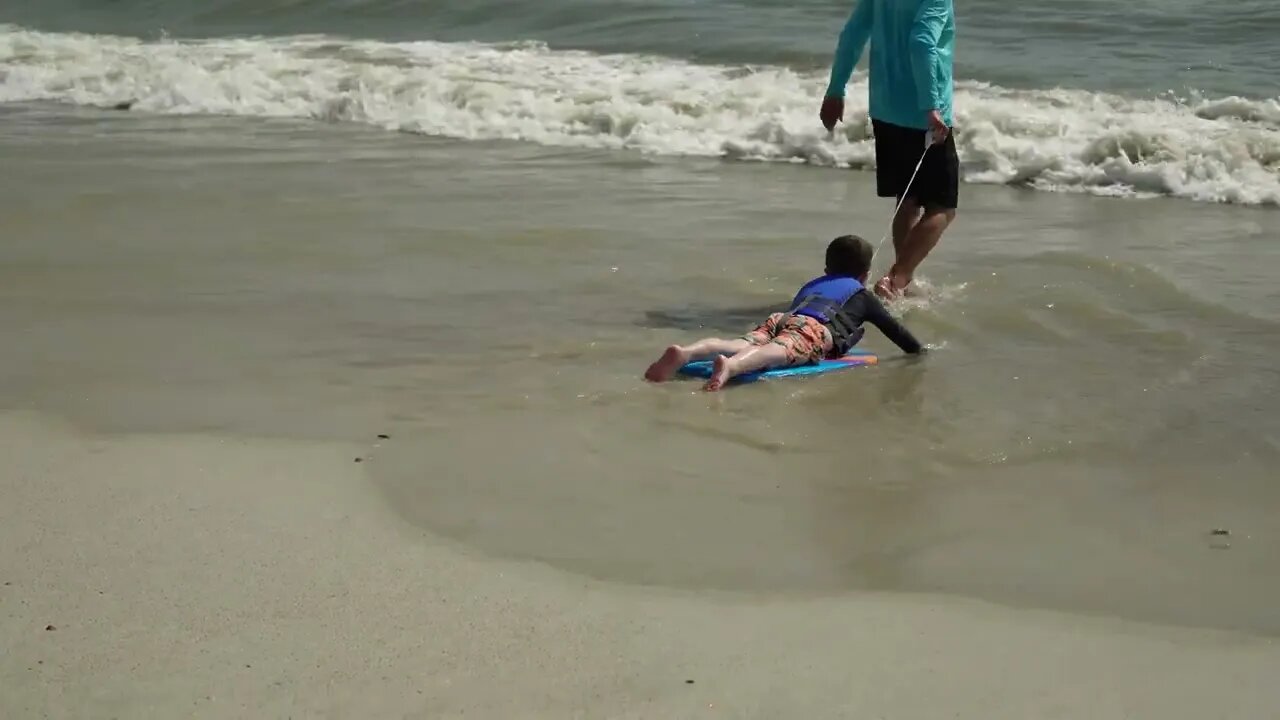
x: 471, y: 225
x: 1156, y: 97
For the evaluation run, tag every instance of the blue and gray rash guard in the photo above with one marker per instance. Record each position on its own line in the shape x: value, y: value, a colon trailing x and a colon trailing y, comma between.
x: 912, y: 47
x: 848, y: 296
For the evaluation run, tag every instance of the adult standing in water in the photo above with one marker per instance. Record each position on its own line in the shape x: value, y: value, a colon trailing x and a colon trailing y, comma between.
x: 912, y: 44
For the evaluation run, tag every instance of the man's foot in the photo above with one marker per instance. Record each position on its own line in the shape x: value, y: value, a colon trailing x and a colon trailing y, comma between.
x: 665, y: 368
x: 891, y: 287
x: 884, y: 288
x: 719, y: 374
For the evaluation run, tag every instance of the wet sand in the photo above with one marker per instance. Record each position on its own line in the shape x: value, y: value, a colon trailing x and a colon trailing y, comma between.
x: 198, y: 576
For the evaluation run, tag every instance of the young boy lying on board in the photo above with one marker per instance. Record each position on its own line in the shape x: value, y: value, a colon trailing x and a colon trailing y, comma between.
x: 824, y: 321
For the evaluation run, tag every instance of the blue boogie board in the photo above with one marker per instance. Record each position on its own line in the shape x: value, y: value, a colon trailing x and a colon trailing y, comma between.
x: 854, y: 358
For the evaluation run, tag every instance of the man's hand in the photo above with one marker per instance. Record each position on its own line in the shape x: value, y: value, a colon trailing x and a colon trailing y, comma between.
x: 832, y: 112
x: 937, y: 127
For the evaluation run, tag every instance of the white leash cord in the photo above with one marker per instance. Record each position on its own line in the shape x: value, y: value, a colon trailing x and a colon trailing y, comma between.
x: 928, y: 142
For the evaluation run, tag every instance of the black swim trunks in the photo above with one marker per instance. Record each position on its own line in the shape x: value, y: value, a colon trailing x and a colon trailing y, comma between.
x: 897, y: 152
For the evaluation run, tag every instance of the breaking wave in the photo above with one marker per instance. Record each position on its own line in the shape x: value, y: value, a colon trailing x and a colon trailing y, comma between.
x: 1217, y: 150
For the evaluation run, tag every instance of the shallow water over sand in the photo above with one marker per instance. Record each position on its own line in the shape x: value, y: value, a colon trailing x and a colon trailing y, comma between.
x: 1103, y: 392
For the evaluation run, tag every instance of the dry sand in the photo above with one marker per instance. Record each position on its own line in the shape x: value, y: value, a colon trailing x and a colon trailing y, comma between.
x: 196, y: 576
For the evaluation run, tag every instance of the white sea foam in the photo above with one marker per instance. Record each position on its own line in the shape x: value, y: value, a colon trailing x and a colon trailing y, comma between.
x: 1223, y: 150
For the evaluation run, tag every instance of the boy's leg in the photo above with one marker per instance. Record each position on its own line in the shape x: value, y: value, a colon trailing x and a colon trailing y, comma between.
x: 677, y: 356
x: 711, y: 347
x: 804, y: 340
x: 749, y: 360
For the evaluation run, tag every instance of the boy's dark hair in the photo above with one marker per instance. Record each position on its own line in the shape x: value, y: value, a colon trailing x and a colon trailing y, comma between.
x: 849, y: 255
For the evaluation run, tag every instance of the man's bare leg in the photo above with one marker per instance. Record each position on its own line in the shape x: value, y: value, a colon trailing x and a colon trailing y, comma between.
x: 676, y: 356
x: 907, y: 217
x: 920, y: 241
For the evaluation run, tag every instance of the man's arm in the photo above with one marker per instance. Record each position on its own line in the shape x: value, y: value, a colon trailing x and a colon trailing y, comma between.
x: 866, y: 306
x: 930, y: 20
x: 853, y: 39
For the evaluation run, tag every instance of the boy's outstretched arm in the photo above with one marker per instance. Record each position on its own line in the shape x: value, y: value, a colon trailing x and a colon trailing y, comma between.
x: 877, y: 315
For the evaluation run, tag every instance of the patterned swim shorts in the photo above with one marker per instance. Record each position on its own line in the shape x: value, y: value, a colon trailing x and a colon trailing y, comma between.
x: 804, y: 338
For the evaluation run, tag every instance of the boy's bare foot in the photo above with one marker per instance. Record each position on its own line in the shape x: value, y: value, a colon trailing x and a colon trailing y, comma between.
x: 665, y: 368
x: 719, y: 374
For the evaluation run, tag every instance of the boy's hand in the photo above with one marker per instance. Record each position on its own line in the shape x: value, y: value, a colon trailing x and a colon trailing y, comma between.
x: 832, y: 112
